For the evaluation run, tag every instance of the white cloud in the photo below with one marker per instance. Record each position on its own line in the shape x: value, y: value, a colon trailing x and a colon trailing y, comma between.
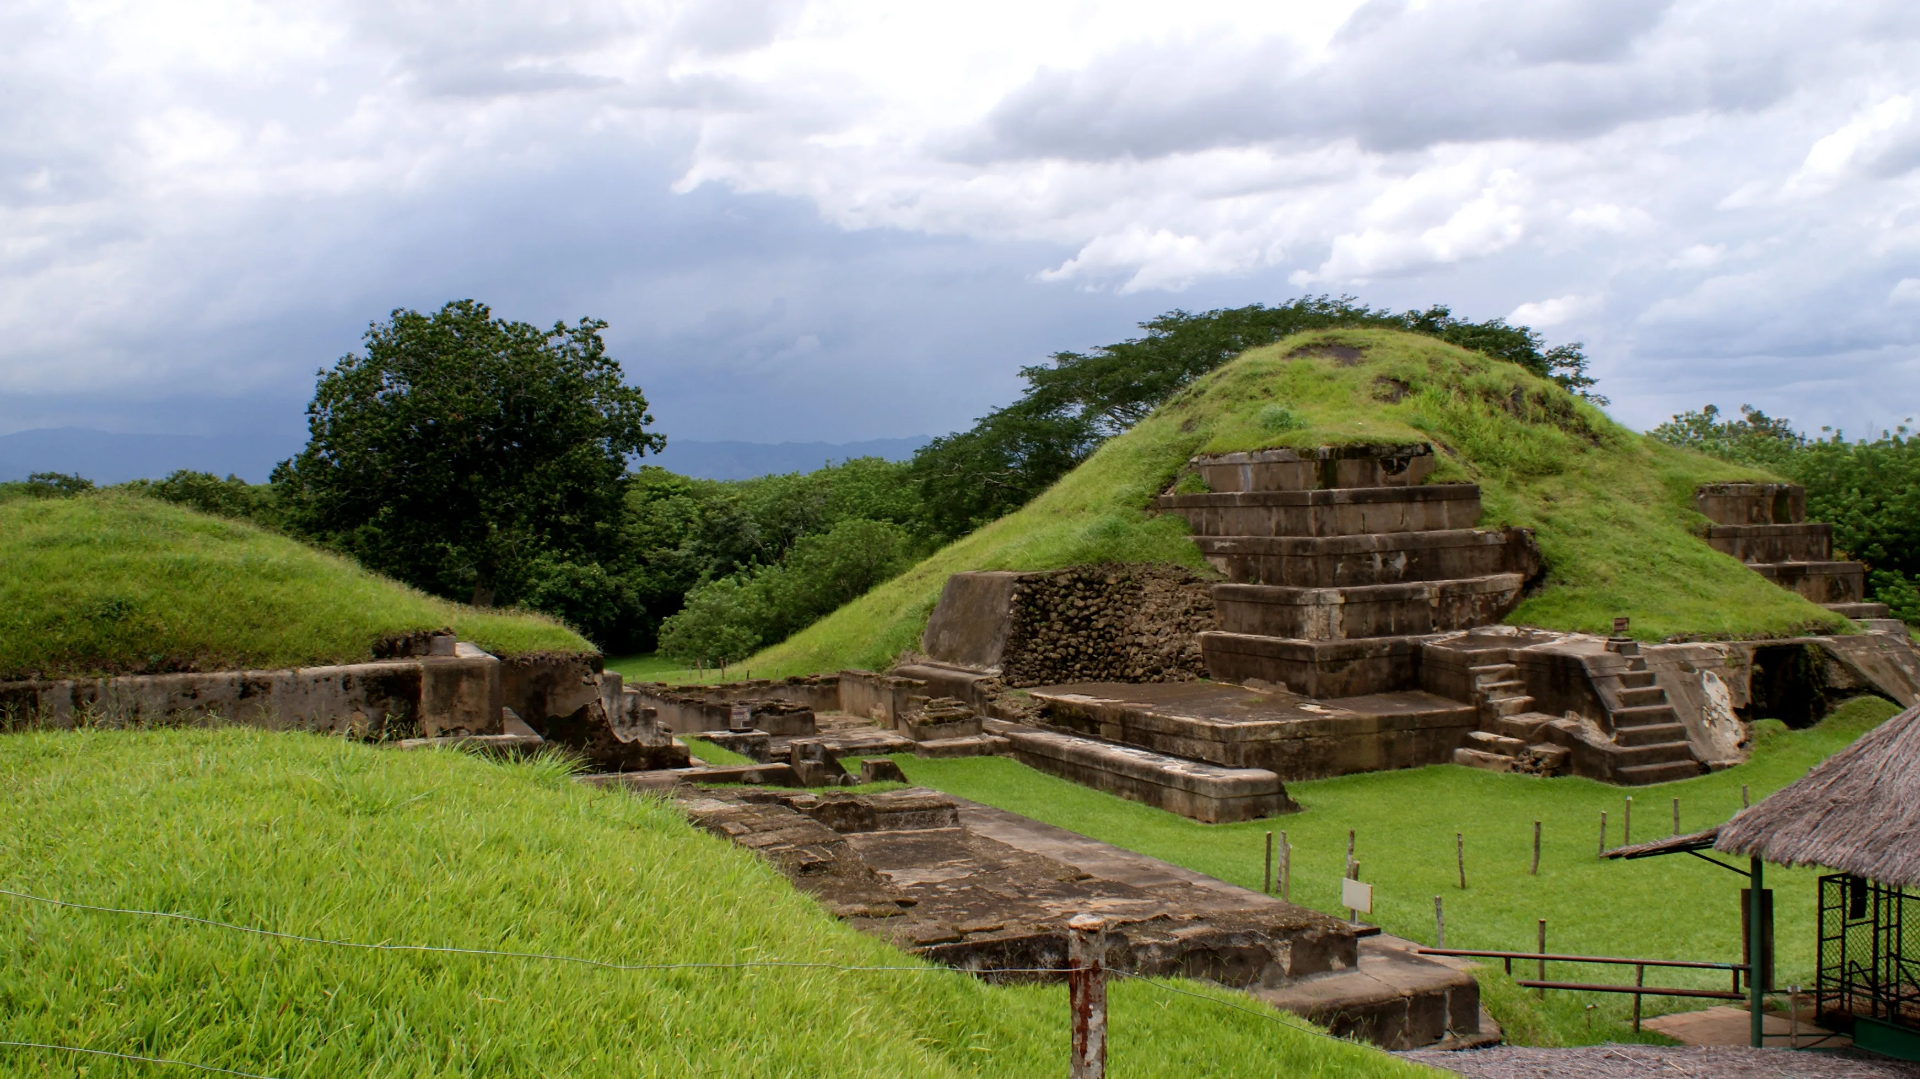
x: 1907, y: 291
x: 1546, y: 313
x: 1698, y: 257
x: 171, y: 174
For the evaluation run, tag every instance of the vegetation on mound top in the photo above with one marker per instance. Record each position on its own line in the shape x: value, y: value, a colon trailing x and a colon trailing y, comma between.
x: 320, y: 837
x: 1612, y: 509
x: 112, y: 583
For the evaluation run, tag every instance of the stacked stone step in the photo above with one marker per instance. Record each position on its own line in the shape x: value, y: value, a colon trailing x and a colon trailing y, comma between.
x: 1649, y: 741
x: 1509, y: 739
x: 1765, y: 525
x: 1341, y: 563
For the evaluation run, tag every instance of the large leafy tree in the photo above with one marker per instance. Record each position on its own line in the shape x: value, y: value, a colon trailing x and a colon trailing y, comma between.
x: 469, y: 455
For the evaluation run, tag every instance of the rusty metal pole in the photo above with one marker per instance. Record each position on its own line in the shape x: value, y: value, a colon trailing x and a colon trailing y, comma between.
x: 1087, y: 996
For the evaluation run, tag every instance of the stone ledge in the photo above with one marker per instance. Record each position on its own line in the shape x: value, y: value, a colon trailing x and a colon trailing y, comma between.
x: 1205, y: 792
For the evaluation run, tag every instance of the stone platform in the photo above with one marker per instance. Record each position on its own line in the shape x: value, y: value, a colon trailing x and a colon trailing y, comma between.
x: 1205, y: 792
x: 984, y: 890
x: 1292, y: 736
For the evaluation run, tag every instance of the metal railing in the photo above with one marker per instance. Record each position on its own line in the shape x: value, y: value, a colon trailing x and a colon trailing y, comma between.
x: 1638, y: 989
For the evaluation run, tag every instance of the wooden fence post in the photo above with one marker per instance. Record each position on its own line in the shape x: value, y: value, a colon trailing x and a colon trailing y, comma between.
x: 1543, y: 952
x: 1439, y: 924
x: 1460, y: 851
x: 1268, y: 886
x: 1087, y: 996
x: 1603, y: 835
x: 1536, y: 849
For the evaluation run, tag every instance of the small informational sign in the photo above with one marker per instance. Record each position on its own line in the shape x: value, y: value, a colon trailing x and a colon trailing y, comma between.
x: 741, y: 718
x: 1355, y: 895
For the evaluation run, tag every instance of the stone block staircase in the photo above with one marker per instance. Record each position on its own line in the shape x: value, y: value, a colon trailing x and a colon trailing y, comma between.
x: 1765, y: 525
x: 1645, y: 743
x: 1339, y: 562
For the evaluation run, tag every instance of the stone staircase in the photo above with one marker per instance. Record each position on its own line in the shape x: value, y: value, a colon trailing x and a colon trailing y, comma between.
x: 1765, y: 525
x: 1642, y: 741
x: 1340, y: 564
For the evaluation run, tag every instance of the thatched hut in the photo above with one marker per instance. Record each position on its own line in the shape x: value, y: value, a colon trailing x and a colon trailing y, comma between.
x: 1857, y: 812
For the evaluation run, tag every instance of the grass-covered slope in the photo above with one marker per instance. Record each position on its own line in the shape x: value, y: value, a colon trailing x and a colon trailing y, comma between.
x: 114, y: 583
x: 320, y: 837
x: 1612, y: 509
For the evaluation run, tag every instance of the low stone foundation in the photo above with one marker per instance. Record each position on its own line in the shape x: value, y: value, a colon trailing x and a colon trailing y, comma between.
x: 432, y: 696
x: 1204, y: 792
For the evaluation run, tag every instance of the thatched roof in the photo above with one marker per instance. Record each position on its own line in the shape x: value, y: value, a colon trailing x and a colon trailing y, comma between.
x: 1858, y: 811
x: 1677, y: 844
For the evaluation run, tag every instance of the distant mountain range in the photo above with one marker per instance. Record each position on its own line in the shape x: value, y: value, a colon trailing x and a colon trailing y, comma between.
x: 109, y: 458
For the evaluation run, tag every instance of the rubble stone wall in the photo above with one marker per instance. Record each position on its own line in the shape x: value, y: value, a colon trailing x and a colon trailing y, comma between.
x: 1115, y: 623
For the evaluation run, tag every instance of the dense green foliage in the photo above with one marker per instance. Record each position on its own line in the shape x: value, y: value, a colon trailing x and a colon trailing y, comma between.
x: 46, y: 485
x: 1082, y: 399
x: 1612, y: 510
x: 1868, y: 489
x: 320, y: 837
x: 208, y: 493
x: 109, y: 583
x: 729, y: 619
x: 1404, y: 825
x: 464, y: 453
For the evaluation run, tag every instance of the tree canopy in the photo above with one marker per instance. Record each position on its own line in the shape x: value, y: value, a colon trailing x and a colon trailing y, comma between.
x: 460, y: 450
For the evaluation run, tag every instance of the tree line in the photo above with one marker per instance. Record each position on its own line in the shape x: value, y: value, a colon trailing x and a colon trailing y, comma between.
x: 497, y: 462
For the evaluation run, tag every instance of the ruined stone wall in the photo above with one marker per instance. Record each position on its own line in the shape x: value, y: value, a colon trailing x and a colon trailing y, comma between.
x: 1113, y: 623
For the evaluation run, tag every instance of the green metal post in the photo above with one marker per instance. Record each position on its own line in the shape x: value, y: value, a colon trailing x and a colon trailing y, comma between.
x: 1756, y: 989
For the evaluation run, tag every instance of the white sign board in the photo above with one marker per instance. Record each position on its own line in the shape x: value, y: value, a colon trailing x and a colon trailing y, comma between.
x: 1356, y: 896
x: 740, y: 718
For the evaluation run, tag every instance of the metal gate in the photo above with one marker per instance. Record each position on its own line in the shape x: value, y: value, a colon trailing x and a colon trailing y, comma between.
x: 1869, y: 951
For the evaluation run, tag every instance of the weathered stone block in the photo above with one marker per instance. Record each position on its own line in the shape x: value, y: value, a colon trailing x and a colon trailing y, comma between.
x: 1344, y: 512
x: 1385, y: 558
x: 1313, y: 469
x: 881, y: 770
x: 1382, y: 610
x: 1194, y: 789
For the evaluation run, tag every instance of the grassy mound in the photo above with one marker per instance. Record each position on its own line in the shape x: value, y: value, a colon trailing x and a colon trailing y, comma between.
x: 114, y: 583
x: 1612, y: 509
x: 319, y: 837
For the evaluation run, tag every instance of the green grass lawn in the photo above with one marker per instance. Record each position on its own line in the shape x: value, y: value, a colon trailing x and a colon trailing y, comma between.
x: 1612, y: 509
x: 309, y: 835
x: 1404, y: 825
x: 113, y: 583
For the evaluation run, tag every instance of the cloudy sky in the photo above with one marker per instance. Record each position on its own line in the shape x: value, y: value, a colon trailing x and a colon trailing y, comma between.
x: 856, y: 219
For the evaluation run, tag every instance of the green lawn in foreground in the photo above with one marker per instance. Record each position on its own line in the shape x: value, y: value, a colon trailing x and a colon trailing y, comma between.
x: 1612, y: 509
x: 309, y: 835
x: 1404, y: 822
x: 113, y: 582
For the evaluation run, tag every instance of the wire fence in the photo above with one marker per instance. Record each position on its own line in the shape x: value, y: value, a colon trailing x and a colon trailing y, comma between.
x: 1268, y: 1014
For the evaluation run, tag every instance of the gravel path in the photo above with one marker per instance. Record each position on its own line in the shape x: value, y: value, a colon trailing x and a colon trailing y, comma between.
x: 1625, y: 1061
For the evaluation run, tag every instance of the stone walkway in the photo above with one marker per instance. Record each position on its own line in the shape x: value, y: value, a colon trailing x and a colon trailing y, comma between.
x: 1687, y: 1062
